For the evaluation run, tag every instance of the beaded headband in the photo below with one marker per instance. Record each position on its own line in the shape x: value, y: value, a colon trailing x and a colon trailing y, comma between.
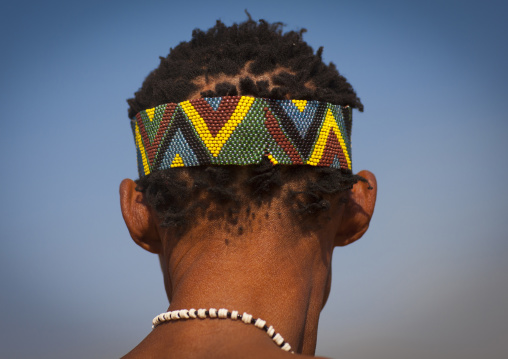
x: 241, y: 130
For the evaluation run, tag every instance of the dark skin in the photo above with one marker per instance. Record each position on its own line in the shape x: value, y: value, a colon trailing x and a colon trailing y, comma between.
x: 274, y: 271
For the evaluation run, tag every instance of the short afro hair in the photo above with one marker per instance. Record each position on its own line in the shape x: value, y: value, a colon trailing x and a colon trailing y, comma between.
x: 263, y: 48
x: 250, y: 58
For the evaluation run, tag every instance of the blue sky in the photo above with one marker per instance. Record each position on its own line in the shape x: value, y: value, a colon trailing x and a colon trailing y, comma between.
x: 427, y: 280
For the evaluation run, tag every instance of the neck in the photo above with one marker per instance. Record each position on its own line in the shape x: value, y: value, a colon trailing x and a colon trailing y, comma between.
x: 278, y: 276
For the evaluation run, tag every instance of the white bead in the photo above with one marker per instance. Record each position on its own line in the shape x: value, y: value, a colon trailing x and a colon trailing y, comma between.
x: 246, y: 318
x: 260, y: 323
x: 202, y: 313
x: 286, y: 347
x: 270, y: 331
x: 223, y: 313
x: 184, y: 313
x: 278, y: 339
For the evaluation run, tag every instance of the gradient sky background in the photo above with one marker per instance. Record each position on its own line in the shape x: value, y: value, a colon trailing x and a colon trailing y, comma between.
x: 428, y: 280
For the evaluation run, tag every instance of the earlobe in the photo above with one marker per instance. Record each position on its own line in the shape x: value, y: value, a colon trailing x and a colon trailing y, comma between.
x: 138, y: 217
x: 358, y: 211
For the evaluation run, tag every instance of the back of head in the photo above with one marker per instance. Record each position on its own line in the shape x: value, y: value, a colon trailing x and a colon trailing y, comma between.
x: 247, y: 59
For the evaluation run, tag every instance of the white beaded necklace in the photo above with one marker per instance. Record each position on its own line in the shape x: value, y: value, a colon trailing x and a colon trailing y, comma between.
x: 222, y: 314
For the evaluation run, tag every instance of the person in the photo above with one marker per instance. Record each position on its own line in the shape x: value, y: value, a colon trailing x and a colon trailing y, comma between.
x: 246, y: 186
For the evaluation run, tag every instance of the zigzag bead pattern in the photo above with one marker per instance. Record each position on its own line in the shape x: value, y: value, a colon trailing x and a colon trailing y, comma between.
x: 222, y: 314
x: 241, y: 130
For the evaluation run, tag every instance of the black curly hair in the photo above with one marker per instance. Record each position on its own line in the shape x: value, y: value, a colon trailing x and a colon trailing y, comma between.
x: 250, y: 58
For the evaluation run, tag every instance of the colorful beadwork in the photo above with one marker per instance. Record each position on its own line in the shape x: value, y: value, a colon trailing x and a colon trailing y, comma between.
x: 241, y: 130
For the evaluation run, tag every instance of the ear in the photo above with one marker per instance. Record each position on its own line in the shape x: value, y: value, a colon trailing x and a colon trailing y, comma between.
x: 358, y: 210
x: 138, y: 217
